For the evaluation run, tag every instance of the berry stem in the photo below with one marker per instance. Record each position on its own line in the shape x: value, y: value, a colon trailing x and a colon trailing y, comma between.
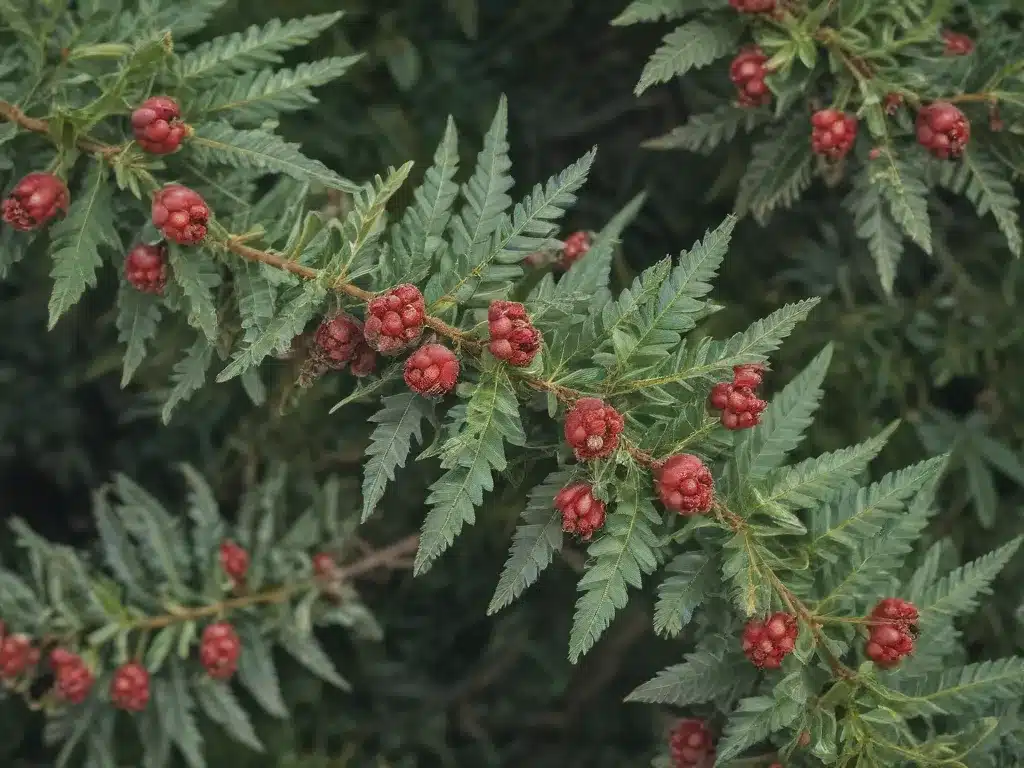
x: 13, y: 114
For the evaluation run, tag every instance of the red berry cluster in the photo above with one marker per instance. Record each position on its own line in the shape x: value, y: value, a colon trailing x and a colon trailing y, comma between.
x: 145, y: 268
x: 767, y: 643
x: 574, y: 248
x: 432, y: 370
x: 892, y: 628
x: 592, y: 428
x: 740, y: 407
x: 129, y: 688
x: 157, y: 125
x: 582, y: 513
x: 181, y: 214
x: 219, y: 650
x: 753, y: 6
x: 234, y: 561
x: 691, y: 745
x: 685, y: 485
x: 340, y: 341
x: 74, y: 678
x: 17, y: 655
x: 747, y: 73
x: 394, y: 320
x: 36, y: 199
x: 943, y: 130
x: 513, y: 337
x: 832, y: 133
x: 957, y: 43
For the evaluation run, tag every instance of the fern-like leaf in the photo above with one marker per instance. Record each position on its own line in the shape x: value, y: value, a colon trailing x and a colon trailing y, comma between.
x: 640, y: 11
x: 965, y: 690
x: 979, y: 177
x: 693, y: 576
x: 619, y: 559
x: 188, y: 377
x: 138, y: 315
x: 713, y: 670
x: 957, y: 593
x: 689, y: 46
x: 197, y: 276
x: 874, y: 224
x: 399, y: 422
x: 537, y: 538
x: 754, y: 720
x: 779, y: 170
x: 703, y: 133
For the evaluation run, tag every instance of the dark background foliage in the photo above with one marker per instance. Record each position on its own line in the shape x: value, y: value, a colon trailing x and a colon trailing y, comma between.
x: 449, y: 687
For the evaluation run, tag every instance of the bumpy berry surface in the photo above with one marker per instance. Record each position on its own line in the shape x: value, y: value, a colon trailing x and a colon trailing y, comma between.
x: 17, y: 655
x: 957, y: 44
x: 891, y: 629
x: 157, y: 125
x: 513, y: 337
x: 337, y: 340
x: 129, y: 688
x: 74, y: 678
x: 592, y: 428
x: 943, y: 130
x: 691, y: 746
x: 36, y: 199
x: 364, y: 361
x: 582, y: 514
x: 766, y: 643
x: 750, y: 375
x: 753, y: 6
x: 394, y: 320
x: 219, y: 650
x: 832, y: 133
x: 685, y: 485
x: 145, y: 268
x: 235, y: 561
x: 181, y: 214
x: 432, y: 370
x: 575, y: 248
x: 747, y: 73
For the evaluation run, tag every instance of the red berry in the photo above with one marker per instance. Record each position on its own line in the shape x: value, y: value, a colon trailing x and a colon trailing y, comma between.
x: 432, y: 369
x: 593, y: 428
x: 750, y: 375
x: 394, y: 320
x: 891, y: 632
x: 74, y: 678
x: 575, y: 247
x: 337, y: 340
x: 17, y: 655
x: 719, y: 397
x: 157, y: 125
x: 35, y: 200
x: 364, y: 361
x: 219, y: 650
x: 324, y: 566
x: 895, y: 609
x: 235, y: 561
x: 691, y: 746
x: 943, y: 130
x: 892, y: 103
x: 957, y: 44
x: 753, y: 6
x: 513, y: 337
x: 129, y: 688
x: 685, y: 485
x: 181, y: 214
x: 582, y: 514
x: 832, y: 133
x: 145, y: 268
x: 747, y: 73
x: 743, y: 410
x: 767, y: 643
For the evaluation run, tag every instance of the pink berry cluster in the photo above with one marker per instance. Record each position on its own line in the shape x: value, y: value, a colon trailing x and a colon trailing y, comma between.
x: 892, y: 627
x: 691, y: 745
x: 748, y: 73
x: 833, y: 133
x: 739, y: 405
x: 766, y: 643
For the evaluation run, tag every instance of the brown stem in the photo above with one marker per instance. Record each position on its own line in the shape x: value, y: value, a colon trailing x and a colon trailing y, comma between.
x: 13, y: 114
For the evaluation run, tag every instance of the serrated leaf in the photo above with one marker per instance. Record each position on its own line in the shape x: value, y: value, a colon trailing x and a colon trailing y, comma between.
x: 137, y: 317
x: 219, y: 142
x: 903, y: 187
x: 536, y: 540
x: 874, y: 223
x: 979, y: 177
x: 188, y: 376
x: 958, y: 592
x: 702, y: 133
x: 713, y: 670
x: 156, y: 532
x: 470, y: 457
x: 198, y: 276
x: 76, y: 240
x: 300, y: 304
x: 399, y: 421
x: 221, y: 706
x: 752, y: 721
x: 640, y: 11
x: 743, y: 566
x: 207, y: 524
x: 779, y: 170
x: 679, y: 595
x: 689, y: 46
x: 257, y: 672
x: 174, y: 705
x: 256, y: 298
x: 965, y: 690
x: 242, y: 51
x: 618, y: 560
x: 307, y: 651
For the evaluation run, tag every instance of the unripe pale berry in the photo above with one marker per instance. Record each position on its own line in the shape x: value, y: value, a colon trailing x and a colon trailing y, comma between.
x: 432, y: 370
x: 394, y: 320
x: 592, y: 428
x: 181, y: 214
x: 157, y: 125
x: 145, y: 268
x: 685, y: 485
x: 36, y: 199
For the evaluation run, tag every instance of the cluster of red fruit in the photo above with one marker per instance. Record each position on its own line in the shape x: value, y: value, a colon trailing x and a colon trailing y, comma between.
x: 691, y: 745
x: 740, y: 407
x: 766, y: 643
x: 892, y: 627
